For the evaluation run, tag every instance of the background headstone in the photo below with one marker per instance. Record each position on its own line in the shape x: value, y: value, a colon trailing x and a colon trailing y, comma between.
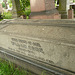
x: 70, y: 14
x: 43, y: 9
x: 64, y: 6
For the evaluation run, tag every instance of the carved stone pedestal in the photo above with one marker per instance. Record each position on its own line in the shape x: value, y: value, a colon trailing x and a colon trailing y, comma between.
x: 43, y: 9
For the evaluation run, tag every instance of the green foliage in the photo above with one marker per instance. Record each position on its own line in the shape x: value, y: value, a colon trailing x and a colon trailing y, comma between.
x: 43, y: 73
x: 24, y: 4
x: 27, y: 11
x: 1, y: 19
x: 55, y: 3
x: 8, y: 68
x: 10, y: 5
x: 73, y: 0
x: 7, y: 15
x: 74, y: 13
x: 3, y: 4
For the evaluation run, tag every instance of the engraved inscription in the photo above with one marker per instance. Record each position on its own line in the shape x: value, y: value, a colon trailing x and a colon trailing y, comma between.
x: 29, y: 48
x: 27, y: 45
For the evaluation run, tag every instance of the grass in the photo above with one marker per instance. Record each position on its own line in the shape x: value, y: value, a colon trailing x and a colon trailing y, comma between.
x: 8, y: 68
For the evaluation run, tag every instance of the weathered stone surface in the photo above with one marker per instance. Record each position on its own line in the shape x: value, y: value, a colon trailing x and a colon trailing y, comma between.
x: 43, y: 5
x: 64, y: 6
x: 37, y: 5
x: 16, y: 11
x: 50, y: 41
x: 70, y: 14
x: 44, y: 9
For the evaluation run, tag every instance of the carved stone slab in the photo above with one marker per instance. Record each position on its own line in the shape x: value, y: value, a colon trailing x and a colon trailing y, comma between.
x: 51, y: 42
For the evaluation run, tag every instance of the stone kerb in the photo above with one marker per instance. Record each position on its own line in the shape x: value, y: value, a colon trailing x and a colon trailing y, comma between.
x: 49, y: 41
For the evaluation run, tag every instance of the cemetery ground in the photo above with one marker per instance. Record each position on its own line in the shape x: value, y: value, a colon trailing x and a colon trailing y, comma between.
x: 8, y: 68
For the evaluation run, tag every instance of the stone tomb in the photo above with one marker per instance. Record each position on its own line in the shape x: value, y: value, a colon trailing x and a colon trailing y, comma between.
x: 43, y: 9
x: 46, y: 41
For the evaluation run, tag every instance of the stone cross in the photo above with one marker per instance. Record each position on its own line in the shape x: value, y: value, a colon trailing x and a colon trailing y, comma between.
x: 43, y: 9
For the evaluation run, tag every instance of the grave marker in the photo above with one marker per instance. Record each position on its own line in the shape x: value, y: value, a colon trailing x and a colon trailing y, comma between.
x: 43, y: 9
x: 64, y: 6
x: 49, y: 41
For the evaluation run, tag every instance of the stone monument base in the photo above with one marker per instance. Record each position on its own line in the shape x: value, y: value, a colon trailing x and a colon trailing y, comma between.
x: 43, y: 9
x: 47, y: 41
x: 44, y: 15
x: 64, y: 14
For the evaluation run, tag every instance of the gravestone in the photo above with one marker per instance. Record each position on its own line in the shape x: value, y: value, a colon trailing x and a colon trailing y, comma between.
x: 47, y: 41
x: 70, y: 14
x: 64, y: 6
x: 43, y: 9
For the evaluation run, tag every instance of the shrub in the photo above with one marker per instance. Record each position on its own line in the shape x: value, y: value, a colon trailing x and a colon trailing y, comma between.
x: 3, y: 4
x: 27, y: 11
x: 7, y: 15
x: 25, y: 6
x: 10, y: 5
x: 73, y: 0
